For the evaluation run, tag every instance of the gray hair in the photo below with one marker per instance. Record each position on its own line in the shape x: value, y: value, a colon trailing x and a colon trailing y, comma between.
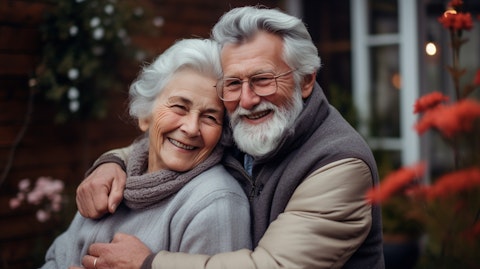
x: 201, y: 55
x: 240, y: 24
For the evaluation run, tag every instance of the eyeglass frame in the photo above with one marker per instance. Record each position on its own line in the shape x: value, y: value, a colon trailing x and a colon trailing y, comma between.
x: 250, y: 84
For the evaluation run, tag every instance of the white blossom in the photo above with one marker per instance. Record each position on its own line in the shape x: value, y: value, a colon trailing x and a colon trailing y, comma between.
x: 94, y: 22
x: 73, y: 73
x: 73, y: 93
x: 73, y: 30
x: 109, y: 9
x: 74, y: 106
x: 98, y: 33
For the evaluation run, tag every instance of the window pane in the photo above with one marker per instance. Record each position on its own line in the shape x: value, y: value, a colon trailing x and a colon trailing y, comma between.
x: 383, y: 17
x: 385, y: 83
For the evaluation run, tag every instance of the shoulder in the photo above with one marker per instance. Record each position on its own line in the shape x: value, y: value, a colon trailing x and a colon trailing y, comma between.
x: 217, y: 177
x: 214, y: 182
x: 349, y: 176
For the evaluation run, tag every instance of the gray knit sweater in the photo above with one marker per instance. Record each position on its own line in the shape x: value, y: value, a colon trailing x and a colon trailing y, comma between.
x: 210, y: 214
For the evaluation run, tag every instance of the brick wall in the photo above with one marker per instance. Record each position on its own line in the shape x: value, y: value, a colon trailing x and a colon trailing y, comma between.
x: 65, y: 151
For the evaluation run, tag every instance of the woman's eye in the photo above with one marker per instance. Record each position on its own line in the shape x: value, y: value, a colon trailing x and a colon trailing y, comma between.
x: 179, y: 108
x: 212, y: 119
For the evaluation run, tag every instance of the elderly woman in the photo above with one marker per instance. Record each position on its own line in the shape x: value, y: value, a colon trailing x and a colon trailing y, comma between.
x: 178, y: 196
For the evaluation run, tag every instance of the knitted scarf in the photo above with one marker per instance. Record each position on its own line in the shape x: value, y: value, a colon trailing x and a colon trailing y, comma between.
x: 146, y: 189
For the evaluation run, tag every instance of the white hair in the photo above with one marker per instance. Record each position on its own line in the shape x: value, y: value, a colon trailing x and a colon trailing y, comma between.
x: 201, y: 55
x: 240, y: 24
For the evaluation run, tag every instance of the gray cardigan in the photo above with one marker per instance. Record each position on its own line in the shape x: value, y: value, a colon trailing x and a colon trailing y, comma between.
x: 211, y: 206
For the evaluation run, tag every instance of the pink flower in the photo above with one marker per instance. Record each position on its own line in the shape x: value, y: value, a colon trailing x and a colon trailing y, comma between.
x: 46, y: 195
x: 15, y: 203
x: 24, y: 184
x: 42, y: 215
x: 35, y: 197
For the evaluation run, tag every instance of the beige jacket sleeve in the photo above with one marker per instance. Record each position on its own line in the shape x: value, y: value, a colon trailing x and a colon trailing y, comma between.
x: 121, y: 153
x: 325, y: 221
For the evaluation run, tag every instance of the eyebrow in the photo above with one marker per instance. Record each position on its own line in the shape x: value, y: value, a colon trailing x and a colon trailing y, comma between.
x: 190, y: 103
x: 258, y: 72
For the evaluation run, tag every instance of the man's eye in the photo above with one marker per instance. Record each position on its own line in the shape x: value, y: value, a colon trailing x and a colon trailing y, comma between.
x: 232, y: 83
x: 262, y: 80
x: 213, y: 118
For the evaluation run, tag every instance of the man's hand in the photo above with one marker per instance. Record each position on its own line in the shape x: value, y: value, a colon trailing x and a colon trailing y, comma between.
x: 101, y: 191
x: 124, y: 252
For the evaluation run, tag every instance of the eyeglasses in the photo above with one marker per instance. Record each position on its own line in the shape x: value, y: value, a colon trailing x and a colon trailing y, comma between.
x: 230, y: 89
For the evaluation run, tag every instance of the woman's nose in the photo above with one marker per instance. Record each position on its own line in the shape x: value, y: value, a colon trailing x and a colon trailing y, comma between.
x: 190, y: 125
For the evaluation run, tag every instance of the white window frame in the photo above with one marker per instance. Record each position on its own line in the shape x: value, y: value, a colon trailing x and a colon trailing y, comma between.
x: 408, y: 144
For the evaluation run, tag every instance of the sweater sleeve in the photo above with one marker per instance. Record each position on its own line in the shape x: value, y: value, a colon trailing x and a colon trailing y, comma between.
x: 324, y: 223
x: 221, y: 223
x: 65, y: 250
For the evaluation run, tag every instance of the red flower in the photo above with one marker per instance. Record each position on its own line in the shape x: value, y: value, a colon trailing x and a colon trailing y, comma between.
x: 395, y: 182
x: 455, y: 3
x: 450, y: 120
x: 476, y: 81
x: 429, y: 101
x: 456, y: 21
x: 454, y: 182
x: 476, y: 229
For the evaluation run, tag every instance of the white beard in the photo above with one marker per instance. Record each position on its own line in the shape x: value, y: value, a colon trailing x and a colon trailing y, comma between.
x: 260, y: 139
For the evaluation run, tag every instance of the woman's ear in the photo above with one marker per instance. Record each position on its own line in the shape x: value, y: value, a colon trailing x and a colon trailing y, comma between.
x: 144, y: 124
x: 307, y: 84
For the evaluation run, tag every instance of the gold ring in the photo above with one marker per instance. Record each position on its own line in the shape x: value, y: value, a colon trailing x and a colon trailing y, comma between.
x: 95, y: 263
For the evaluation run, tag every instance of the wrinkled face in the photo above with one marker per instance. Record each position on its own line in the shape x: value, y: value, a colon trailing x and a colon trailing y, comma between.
x: 186, y: 122
x: 261, y: 54
x: 258, y: 122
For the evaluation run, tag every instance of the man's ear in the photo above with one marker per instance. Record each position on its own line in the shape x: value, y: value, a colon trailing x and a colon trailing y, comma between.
x: 144, y: 124
x: 307, y: 84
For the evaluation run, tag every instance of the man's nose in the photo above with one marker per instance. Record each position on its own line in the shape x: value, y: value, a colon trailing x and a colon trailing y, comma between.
x: 248, y: 98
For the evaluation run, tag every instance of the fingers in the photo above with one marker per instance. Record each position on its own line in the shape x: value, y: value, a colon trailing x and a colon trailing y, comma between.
x: 91, y: 262
x: 119, y: 237
x: 93, y: 193
x: 97, y: 249
x: 91, y: 200
x: 116, y: 192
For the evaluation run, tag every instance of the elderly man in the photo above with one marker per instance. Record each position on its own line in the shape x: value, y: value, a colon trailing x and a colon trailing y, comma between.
x: 303, y: 166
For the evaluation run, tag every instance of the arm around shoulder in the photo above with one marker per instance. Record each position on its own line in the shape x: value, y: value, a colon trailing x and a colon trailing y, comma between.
x: 324, y: 223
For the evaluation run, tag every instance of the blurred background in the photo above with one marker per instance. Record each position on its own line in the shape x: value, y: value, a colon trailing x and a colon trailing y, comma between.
x: 65, y: 68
